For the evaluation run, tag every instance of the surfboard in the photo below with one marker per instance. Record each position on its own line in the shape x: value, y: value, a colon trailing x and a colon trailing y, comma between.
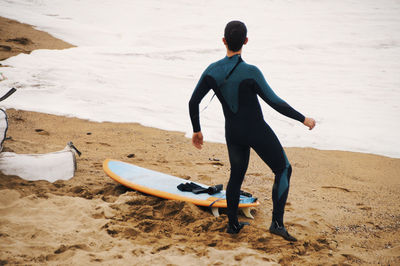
x: 165, y: 186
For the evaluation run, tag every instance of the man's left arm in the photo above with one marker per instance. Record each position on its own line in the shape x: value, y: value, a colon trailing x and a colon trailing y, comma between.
x: 269, y: 96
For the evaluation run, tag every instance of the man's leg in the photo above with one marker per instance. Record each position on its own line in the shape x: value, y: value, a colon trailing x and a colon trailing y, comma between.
x: 270, y: 150
x: 239, y: 160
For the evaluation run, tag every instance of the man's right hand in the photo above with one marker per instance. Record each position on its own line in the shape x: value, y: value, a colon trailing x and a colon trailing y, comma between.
x: 309, y: 122
x: 197, y: 140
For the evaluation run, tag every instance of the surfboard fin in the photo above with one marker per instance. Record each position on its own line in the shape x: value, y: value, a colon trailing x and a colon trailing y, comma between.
x: 247, y: 213
x: 215, y: 211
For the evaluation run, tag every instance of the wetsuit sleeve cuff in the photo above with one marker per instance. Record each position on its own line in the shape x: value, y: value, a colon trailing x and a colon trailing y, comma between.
x: 302, y: 119
x: 196, y: 129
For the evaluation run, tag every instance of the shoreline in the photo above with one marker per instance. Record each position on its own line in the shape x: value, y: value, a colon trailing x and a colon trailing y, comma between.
x: 343, y: 206
x: 16, y: 38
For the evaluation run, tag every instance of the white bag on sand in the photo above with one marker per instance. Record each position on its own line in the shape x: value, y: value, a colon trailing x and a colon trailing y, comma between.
x: 59, y: 165
x: 3, y: 115
x: 3, y: 127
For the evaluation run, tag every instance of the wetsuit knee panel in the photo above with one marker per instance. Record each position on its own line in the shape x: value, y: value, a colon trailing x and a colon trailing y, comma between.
x: 289, y: 169
x: 282, y: 179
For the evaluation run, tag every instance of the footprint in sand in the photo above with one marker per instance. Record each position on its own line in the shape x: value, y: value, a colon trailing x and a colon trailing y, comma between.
x: 21, y: 40
x: 42, y: 132
x: 64, y: 248
x: 161, y: 248
x: 5, y: 48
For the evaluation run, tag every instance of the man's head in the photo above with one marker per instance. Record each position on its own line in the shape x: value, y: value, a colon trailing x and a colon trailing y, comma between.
x: 235, y: 35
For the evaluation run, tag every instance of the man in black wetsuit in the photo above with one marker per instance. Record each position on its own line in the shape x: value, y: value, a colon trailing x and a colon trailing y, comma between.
x: 236, y: 85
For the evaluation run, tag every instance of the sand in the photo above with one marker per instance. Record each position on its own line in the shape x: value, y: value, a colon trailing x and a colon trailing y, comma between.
x: 344, y: 207
x: 16, y: 38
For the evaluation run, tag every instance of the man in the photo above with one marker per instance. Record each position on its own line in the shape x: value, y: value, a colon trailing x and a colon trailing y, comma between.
x: 237, y: 84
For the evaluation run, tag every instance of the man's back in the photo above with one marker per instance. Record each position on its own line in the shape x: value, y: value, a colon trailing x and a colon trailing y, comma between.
x: 238, y: 93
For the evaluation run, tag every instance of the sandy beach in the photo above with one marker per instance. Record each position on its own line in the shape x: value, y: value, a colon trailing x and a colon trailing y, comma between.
x: 344, y: 207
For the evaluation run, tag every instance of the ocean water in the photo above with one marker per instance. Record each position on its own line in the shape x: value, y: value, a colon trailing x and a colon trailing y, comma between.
x: 139, y: 61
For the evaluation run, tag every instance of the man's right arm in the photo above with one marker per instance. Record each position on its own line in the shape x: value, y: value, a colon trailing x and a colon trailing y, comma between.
x: 200, y: 91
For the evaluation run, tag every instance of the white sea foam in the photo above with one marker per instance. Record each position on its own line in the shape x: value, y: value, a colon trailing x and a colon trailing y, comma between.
x: 139, y: 61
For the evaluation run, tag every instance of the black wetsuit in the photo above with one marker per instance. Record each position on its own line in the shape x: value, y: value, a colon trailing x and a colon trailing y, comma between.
x: 245, y: 127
